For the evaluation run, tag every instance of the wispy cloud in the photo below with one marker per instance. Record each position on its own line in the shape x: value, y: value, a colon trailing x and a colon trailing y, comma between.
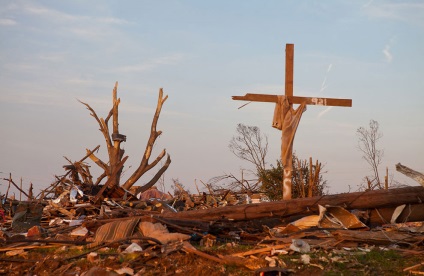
x: 323, y: 87
x: 43, y: 98
x: 48, y: 13
x: 20, y: 67
x: 53, y: 57
x: 386, y: 51
x: 151, y: 64
x: 80, y: 81
x: 367, y: 4
x: 112, y: 20
x: 7, y: 22
x: 264, y: 89
x: 388, y: 56
x: 79, y: 24
x: 409, y: 12
x: 324, y: 111
x: 324, y: 82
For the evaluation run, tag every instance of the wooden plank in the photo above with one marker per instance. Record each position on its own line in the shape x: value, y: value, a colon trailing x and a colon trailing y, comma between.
x: 295, y: 100
x: 289, y: 69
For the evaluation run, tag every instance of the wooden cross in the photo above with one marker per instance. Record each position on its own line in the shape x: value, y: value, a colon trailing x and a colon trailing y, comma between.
x: 289, y: 126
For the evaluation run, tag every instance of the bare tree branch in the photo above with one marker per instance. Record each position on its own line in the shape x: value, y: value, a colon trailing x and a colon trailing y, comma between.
x: 250, y: 145
x: 156, y: 177
x: 154, y: 134
x: 99, y: 162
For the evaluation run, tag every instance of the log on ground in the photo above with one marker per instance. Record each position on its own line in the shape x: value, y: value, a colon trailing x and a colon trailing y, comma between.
x: 358, y: 200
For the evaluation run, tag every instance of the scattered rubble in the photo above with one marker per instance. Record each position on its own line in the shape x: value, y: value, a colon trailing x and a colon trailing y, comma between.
x: 74, y: 230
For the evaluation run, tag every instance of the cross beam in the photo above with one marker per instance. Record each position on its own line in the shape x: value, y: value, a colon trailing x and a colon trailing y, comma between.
x: 295, y: 100
x: 289, y: 117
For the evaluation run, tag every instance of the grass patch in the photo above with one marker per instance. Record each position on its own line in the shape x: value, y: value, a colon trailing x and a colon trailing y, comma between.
x: 47, y: 250
x: 375, y: 262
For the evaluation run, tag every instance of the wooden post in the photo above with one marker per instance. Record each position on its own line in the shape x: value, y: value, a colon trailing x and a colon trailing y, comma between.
x: 316, y: 177
x: 30, y: 193
x: 301, y: 183
x: 8, y: 187
x: 289, y: 69
x: 311, y: 180
x: 386, y: 179
x: 20, y: 192
x: 287, y: 168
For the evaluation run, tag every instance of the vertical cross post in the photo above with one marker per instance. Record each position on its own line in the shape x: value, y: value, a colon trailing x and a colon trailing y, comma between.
x: 288, y: 170
x: 289, y: 69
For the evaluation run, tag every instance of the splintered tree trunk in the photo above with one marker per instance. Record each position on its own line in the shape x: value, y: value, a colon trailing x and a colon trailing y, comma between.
x: 116, y: 151
x: 286, y: 208
x: 113, y: 168
x: 113, y: 142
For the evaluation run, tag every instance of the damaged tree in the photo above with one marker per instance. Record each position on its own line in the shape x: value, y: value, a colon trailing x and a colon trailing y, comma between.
x: 367, y: 144
x: 113, y: 169
x: 417, y: 176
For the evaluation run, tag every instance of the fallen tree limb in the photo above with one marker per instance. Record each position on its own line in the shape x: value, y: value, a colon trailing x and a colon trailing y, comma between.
x: 262, y: 250
x: 16, y: 186
x: 359, y: 200
x: 182, y: 229
x: 417, y: 176
x: 48, y: 241
x: 376, y: 237
x: 48, y: 190
x: 4, y: 249
x: 191, y: 249
x: 227, y: 259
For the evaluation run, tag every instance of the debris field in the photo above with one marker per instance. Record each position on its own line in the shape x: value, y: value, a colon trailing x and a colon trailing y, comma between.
x: 74, y: 230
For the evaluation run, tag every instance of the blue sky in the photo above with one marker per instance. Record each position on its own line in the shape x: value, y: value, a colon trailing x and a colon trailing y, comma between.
x: 203, y: 52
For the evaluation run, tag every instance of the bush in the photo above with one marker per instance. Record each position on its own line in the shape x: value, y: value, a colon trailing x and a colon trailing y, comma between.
x: 272, y: 180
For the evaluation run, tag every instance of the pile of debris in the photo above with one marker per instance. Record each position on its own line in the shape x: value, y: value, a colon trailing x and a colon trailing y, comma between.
x: 130, y: 235
x: 84, y: 229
